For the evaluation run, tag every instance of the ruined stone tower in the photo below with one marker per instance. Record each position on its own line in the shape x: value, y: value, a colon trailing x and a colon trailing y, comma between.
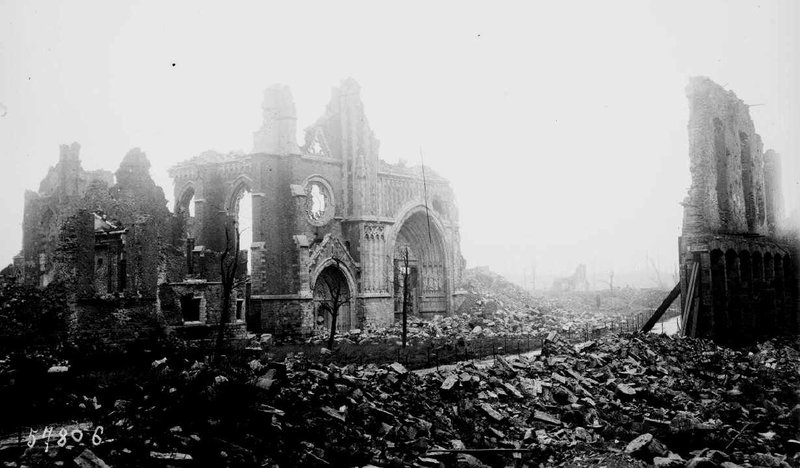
x: 738, y: 271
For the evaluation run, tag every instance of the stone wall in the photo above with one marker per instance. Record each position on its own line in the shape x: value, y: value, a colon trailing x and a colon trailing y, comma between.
x: 107, y: 238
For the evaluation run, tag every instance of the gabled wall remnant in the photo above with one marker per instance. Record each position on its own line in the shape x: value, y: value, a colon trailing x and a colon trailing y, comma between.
x: 746, y: 282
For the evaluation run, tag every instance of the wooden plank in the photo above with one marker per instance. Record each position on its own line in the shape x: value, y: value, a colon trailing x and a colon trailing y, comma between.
x: 676, y: 291
x: 688, y: 307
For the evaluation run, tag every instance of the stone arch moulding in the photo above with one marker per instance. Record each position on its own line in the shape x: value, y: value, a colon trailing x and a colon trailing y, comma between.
x: 341, y: 266
x: 330, y: 202
x: 440, y: 238
x: 188, y: 187
x: 406, y: 212
x: 238, y: 187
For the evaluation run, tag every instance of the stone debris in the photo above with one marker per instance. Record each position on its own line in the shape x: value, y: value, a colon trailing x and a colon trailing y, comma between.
x: 87, y: 459
x: 495, y: 308
x: 625, y: 400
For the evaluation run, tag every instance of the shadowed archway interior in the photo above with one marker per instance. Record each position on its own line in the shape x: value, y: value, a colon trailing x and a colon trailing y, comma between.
x: 331, y: 289
x: 426, y: 266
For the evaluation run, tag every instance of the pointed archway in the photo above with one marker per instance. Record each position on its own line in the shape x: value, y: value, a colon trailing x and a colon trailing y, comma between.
x: 332, y: 293
x: 426, y: 268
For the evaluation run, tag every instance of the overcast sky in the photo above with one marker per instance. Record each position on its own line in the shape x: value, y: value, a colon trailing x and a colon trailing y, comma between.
x: 561, y: 125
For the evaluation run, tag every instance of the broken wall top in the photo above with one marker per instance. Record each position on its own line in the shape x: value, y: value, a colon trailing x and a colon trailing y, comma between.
x: 67, y: 178
x: 729, y: 191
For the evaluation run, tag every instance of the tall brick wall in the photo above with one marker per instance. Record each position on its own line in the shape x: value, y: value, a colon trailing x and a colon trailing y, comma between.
x: 745, y: 287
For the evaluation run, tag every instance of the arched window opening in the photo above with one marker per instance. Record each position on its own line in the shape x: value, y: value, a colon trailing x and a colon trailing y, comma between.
x: 733, y: 284
x: 243, y: 209
x: 721, y: 155
x: 747, y: 181
x: 718, y: 286
x: 186, y: 203
x: 768, y: 307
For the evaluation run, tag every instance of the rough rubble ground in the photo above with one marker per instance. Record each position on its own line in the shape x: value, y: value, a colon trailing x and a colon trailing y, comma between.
x: 494, y: 307
x: 623, y: 401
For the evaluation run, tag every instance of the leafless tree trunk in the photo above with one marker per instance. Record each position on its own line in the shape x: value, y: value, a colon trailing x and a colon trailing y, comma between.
x: 228, y: 266
x: 659, y: 280
x: 405, y: 297
x: 610, y: 281
x: 337, y: 298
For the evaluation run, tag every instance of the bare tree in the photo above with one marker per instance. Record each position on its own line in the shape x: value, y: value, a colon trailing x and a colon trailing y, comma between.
x: 610, y: 281
x: 406, y: 295
x: 657, y: 271
x: 228, y: 269
x: 337, y: 293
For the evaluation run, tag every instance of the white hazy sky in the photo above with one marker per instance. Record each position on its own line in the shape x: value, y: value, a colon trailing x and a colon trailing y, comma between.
x: 561, y: 125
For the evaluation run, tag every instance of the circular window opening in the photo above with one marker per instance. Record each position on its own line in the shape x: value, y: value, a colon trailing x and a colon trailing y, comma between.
x: 317, y: 209
x: 319, y: 203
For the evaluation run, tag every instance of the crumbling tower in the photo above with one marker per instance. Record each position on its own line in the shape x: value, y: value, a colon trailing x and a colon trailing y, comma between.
x: 737, y: 273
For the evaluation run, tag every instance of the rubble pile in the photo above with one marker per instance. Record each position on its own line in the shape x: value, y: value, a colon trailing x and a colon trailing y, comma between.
x: 495, y: 307
x: 629, y: 400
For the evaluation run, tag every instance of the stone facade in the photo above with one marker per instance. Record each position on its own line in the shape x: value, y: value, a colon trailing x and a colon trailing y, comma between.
x: 328, y: 204
x: 738, y: 266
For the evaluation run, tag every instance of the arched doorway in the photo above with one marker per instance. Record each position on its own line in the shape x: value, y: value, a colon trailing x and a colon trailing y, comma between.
x: 419, y: 259
x: 332, y: 294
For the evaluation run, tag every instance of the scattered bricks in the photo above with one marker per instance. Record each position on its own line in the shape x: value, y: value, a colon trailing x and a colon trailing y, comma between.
x: 639, y: 445
x: 175, y: 456
x: 333, y: 413
x: 666, y: 462
x: 730, y: 465
x: 87, y: 459
x: 449, y: 382
x: 512, y: 389
x: 494, y: 414
x: 546, y: 418
x: 399, y: 368
x: 701, y: 462
x: 625, y: 392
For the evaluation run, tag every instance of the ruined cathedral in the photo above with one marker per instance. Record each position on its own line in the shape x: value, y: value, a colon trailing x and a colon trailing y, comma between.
x: 327, y: 214
x: 328, y: 209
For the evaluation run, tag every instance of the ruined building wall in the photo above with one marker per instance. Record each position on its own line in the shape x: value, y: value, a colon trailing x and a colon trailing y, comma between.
x: 745, y: 286
x: 330, y: 202
x: 106, y: 237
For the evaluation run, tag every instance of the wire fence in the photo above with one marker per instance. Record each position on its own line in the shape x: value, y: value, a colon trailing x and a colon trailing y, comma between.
x: 447, y: 350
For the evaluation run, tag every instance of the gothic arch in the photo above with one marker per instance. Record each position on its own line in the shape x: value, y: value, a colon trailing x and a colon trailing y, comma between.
x: 333, y: 270
x: 239, y: 186
x: 186, y: 193
x: 341, y: 265
x: 429, y: 259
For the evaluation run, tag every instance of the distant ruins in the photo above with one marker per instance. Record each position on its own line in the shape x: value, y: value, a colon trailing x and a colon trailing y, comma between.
x: 575, y: 282
x: 327, y: 212
x: 738, y: 266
